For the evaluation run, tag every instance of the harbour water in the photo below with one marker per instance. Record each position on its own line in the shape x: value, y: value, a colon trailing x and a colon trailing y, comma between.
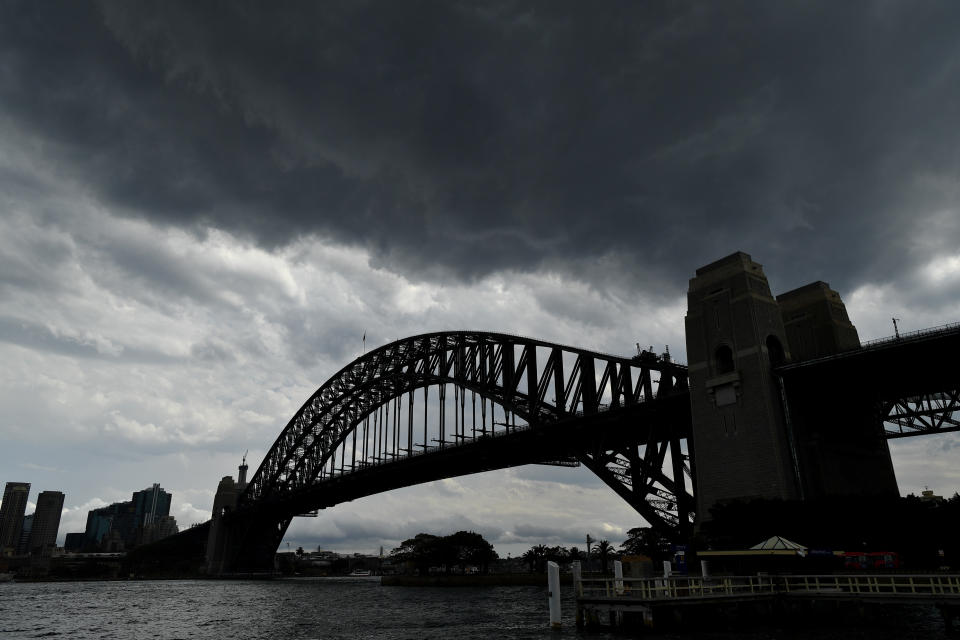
x: 343, y: 609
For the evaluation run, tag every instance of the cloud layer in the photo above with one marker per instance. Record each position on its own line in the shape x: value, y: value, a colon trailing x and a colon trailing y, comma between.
x: 453, y: 140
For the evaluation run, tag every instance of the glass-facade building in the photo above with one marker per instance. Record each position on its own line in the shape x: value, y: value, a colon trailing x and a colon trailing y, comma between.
x: 123, y: 522
x: 14, y: 505
x: 46, y: 522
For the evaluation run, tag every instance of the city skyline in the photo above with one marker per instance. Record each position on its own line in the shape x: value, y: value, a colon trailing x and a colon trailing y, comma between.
x: 205, y: 213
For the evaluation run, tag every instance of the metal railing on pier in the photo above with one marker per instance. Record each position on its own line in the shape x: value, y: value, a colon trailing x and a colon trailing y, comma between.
x: 858, y: 585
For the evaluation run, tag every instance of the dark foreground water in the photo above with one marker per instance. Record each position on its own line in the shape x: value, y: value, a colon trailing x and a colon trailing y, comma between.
x: 341, y: 608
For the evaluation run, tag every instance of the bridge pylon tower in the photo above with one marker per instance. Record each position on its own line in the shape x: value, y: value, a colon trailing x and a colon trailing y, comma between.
x: 735, y: 335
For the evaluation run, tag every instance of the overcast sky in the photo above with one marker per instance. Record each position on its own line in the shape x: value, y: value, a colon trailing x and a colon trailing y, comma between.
x: 203, y: 206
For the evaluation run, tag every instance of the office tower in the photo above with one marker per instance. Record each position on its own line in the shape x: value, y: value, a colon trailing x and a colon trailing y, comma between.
x: 117, y: 518
x: 11, y: 515
x: 125, y: 521
x: 74, y: 542
x: 46, y: 521
x: 23, y: 546
x: 150, y: 505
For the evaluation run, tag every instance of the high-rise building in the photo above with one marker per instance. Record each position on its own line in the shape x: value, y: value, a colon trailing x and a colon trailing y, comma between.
x: 14, y: 505
x: 23, y: 546
x: 117, y: 517
x: 74, y: 542
x: 151, y: 504
x: 46, y: 521
x: 124, y: 522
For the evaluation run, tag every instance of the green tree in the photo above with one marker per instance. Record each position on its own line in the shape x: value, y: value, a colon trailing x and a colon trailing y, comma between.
x: 468, y: 547
x: 558, y: 554
x: 536, y: 557
x: 647, y: 542
x: 530, y: 557
x: 420, y: 551
x: 459, y: 549
x: 603, y: 551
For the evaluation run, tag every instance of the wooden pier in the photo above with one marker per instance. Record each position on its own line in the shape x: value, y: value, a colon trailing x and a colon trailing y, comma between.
x: 659, y: 602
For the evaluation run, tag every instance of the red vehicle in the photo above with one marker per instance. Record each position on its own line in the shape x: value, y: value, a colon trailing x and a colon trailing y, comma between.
x: 871, y: 560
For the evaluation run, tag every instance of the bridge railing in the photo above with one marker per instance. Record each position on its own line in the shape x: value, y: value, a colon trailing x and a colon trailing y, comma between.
x: 910, y: 335
x: 859, y: 585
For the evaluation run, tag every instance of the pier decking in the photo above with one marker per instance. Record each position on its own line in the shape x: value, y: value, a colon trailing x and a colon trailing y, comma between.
x: 651, y: 600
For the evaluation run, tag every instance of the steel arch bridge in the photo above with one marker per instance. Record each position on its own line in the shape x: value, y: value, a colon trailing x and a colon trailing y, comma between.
x: 446, y: 404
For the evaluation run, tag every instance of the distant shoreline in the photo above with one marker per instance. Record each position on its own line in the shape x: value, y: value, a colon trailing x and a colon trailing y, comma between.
x: 487, y: 580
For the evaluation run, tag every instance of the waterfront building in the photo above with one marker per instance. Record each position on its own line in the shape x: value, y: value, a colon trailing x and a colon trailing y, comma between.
x: 14, y: 505
x: 46, y: 522
x: 73, y: 542
x: 99, y: 522
x: 122, y: 524
x: 158, y: 529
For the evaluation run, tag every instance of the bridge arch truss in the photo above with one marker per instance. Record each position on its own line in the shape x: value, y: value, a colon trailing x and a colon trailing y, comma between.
x: 625, y: 418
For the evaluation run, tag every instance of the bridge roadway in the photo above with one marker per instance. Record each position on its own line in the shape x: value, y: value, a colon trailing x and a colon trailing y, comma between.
x: 912, y: 381
x: 841, y: 410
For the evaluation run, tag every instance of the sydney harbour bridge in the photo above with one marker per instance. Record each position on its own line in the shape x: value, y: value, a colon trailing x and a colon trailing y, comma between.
x: 779, y: 400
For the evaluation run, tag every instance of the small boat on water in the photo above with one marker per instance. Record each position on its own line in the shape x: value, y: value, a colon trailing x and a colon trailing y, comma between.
x: 360, y: 573
x: 6, y: 577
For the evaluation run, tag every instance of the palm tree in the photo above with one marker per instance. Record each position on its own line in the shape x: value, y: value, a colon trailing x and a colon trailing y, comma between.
x: 604, y: 548
x: 541, y: 554
x: 535, y: 557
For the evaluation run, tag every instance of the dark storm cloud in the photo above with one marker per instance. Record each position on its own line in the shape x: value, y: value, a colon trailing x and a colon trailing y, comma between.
x: 464, y: 138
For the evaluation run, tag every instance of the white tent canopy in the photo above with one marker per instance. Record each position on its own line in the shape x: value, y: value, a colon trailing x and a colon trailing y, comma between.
x: 776, y: 543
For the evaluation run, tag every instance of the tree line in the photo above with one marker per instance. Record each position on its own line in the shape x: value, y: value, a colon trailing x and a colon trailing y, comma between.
x: 460, y: 549
x: 923, y: 531
x: 640, y: 541
x: 467, y: 548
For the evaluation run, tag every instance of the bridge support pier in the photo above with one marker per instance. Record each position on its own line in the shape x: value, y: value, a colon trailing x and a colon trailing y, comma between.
x: 241, y: 542
x: 760, y: 433
x: 734, y: 336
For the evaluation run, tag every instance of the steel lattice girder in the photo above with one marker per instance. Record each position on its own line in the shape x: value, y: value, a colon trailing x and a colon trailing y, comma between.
x: 484, y: 363
x: 922, y: 414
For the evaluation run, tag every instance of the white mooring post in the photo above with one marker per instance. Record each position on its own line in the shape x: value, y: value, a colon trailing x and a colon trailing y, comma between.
x: 553, y: 593
x: 618, y: 577
x: 667, y: 567
x: 705, y: 569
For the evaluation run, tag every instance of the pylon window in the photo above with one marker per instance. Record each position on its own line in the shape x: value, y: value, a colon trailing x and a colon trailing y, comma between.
x: 723, y: 358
